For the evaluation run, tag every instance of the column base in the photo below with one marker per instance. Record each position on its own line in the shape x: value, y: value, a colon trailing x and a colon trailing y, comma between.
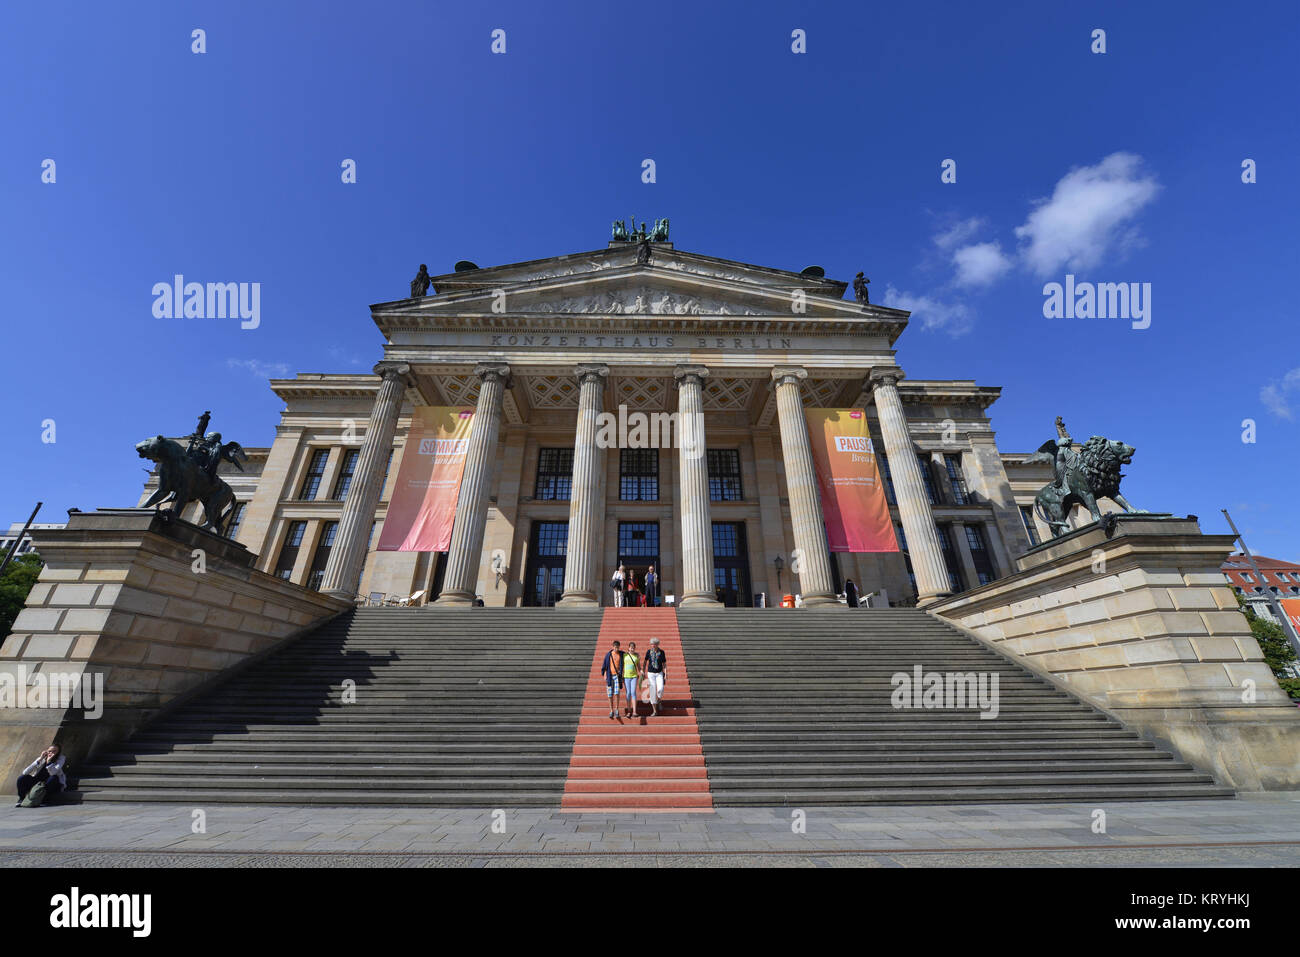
x: 821, y: 601
x: 456, y: 599
x: 578, y: 599
x: 700, y: 601
x: 341, y: 594
x: 926, y: 600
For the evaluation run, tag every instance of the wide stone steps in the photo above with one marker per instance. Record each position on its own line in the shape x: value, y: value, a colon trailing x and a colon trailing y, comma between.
x: 789, y: 712
x: 447, y: 707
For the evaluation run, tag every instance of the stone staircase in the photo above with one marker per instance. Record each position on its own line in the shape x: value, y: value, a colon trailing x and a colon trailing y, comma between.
x: 454, y: 707
x: 481, y: 708
x: 794, y: 709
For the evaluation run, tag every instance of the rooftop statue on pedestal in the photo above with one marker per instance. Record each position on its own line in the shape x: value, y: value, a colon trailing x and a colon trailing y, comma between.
x: 1083, y: 474
x: 420, y: 284
x: 860, y: 289
x: 188, y: 473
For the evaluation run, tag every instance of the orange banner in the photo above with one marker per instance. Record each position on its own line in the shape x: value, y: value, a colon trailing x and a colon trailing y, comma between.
x: 423, y: 507
x: 1291, y: 608
x: 853, y: 496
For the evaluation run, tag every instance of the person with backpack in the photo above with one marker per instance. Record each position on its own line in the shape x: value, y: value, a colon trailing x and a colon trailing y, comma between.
x: 618, y: 583
x: 47, y: 771
x: 631, y: 677
x: 612, y: 668
x: 654, y: 674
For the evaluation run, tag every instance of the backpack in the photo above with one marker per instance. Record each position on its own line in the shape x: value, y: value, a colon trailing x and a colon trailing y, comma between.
x: 35, y: 796
x: 616, y: 584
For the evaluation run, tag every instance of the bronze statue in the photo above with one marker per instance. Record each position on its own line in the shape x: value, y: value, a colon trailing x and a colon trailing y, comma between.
x: 189, y: 473
x: 620, y: 231
x: 1082, y: 474
x: 420, y: 284
x: 660, y: 233
x: 643, y: 253
x: 860, y: 289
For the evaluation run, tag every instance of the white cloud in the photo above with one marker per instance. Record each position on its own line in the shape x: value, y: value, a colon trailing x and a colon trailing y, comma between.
x: 263, y: 370
x: 1090, y: 210
x: 1275, y: 395
x: 955, y: 318
x: 980, y: 264
x: 959, y: 232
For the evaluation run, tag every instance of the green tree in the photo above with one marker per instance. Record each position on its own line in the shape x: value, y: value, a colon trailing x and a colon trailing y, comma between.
x: 15, y: 583
x: 1278, y: 652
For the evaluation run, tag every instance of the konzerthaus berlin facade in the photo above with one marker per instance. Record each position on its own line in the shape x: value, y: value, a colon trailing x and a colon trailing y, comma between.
x: 545, y: 515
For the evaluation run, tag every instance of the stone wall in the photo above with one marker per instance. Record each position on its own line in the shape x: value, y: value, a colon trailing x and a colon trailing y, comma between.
x: 120, y: 596
x: 1141, y: 623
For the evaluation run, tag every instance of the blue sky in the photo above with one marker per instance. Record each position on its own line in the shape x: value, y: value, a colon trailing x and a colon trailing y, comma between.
x: 225, y: 166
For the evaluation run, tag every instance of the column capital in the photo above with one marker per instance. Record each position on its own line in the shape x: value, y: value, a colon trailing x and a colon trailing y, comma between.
x: 590, y: 371
x: 493, y: 372
x: 788, y: 375
x: 884, y: 375
x: 690, y: 374
x: 388, y: 369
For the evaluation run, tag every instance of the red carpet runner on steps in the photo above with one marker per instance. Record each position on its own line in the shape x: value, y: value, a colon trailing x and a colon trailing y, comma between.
x: 642, y: 763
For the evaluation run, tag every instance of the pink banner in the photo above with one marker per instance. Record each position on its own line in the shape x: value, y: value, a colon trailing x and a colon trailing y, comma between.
x: 423, y: 507
x: 853, y: 497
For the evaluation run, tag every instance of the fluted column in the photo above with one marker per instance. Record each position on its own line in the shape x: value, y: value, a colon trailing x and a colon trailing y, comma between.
x: 813, y: 565
x: 909, y: 490
x: 352, y: 539
x: 466, y: 550
x: 693, y: 474
x: 585, y: 498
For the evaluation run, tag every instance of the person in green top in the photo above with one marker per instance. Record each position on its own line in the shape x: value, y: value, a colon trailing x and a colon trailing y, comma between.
x: 631, y: 677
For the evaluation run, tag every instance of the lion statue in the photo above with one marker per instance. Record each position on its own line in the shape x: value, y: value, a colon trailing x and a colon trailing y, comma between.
x: 184, y: 477
x: 1083, y: 475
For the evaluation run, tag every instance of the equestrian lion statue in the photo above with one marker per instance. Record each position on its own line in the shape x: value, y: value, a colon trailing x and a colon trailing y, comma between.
x: 188, y: 473
x: 1084, y: 474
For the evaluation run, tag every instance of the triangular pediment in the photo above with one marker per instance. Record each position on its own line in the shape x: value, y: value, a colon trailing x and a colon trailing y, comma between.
x: 613, y: 283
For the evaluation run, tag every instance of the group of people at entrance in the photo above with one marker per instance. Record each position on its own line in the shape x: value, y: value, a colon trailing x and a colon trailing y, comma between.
x: 633, y: 592
x: 627, y: 673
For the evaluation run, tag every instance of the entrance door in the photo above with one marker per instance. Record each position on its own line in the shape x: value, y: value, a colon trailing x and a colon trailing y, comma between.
x: 731, y: 565
x: 544, y: 576
x: 638, y: 548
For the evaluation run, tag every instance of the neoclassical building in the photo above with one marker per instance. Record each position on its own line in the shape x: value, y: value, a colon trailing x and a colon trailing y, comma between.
x: 545, y: 513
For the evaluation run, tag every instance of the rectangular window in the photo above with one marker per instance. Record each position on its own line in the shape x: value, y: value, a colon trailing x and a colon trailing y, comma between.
x: 315, y: 472
x: 554, y: 475
x: 236, y: 518
x: 1027, y: 515
x: 638, y: 545
x: 927, y: 477
x: 552, y: 538
x: 348, y: 469
x: 638, y: 475
x: 956, y: 481
x: 888, y: 478
x: 322, y: 556
x: 724, y: 475
x: 289, y: 550
x: 950, y: 559
x: 1245, y: 576
x: 979, y: 553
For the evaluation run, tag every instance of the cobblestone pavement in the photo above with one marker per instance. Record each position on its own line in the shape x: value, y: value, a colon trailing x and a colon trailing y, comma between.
x: 1253, y: 832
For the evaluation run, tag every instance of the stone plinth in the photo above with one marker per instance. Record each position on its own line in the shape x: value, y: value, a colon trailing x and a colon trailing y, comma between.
x: 1140, y: 622
x: 120, y: 596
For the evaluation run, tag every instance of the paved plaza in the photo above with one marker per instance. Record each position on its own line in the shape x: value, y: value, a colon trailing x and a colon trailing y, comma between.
x: 1247, y: 832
